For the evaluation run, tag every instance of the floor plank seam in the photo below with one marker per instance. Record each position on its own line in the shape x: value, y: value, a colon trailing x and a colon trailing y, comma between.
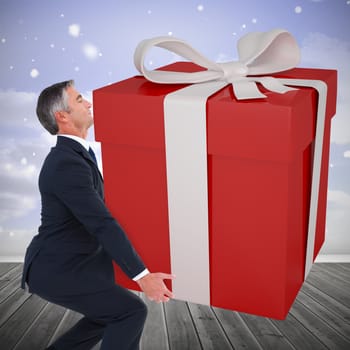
x: 6, y: 299
x: 222, y: 328
x: 8, y: 272
x: 249, y: 330
x: 328, y: 308
x: 323, y: 320
x: 32, y: 323
x: 328, y: 295
x: 301, y: 325
x: 166, y: 327
x: 65, y: 315
x: 194, y: 326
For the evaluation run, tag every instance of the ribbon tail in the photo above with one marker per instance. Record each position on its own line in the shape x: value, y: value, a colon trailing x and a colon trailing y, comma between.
x: 274, y: 85
x: 245, y: 89
x: 321, y: 88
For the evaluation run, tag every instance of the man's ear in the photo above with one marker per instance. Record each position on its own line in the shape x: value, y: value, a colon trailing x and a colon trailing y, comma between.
x: 61, y: 117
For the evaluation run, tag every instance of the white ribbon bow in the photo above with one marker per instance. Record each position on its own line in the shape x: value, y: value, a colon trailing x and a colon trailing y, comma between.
x: 259, y: 54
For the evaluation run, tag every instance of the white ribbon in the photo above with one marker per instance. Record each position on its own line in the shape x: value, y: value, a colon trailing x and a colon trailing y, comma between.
x: 259, y: 54
x: 186, y: 149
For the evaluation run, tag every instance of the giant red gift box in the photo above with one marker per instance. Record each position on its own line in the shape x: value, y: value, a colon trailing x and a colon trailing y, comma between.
x: 259, y: 182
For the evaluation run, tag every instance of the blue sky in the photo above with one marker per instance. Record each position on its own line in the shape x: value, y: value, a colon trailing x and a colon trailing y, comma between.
x: 42, y: 42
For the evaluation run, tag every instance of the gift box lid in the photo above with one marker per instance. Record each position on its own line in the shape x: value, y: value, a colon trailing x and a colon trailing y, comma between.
x: 130, y: 112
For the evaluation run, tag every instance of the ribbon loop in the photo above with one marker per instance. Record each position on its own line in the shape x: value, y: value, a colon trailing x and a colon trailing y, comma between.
x: 259, y: 53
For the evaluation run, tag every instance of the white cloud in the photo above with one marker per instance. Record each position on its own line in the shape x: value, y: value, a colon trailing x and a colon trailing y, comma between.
x: 14, y: 205
x: 18, y: 108
x: 315, y: 52
x: 338, y: 223
x: 15, y: 242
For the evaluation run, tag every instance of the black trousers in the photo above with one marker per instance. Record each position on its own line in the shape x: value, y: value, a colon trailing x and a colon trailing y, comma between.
x: 115, y: 315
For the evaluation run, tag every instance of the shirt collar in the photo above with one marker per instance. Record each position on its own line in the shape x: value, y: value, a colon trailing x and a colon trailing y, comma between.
x: 83, y: 142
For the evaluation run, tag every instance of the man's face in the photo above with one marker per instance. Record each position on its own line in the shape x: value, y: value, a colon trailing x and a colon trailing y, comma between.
x: 79, y: 110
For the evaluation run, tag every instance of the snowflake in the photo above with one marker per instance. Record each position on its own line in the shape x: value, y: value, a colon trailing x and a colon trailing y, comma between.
x: 90, y: 51
x: 74, y: 30
x: 200, y: 8
x: 34, y: 73
x: 3, y: 40
x: 298, y: 9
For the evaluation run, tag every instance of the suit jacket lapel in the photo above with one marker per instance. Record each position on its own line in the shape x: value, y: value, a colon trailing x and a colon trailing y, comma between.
x: 74, y: 146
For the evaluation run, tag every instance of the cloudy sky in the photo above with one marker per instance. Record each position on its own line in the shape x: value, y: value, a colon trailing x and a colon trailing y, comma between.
x: 43, y: 42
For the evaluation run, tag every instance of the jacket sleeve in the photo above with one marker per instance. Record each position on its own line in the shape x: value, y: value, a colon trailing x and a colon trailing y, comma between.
x: 75, y: 188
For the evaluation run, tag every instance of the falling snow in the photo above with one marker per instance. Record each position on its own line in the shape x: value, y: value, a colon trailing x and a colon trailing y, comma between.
x: 3, y: 40
x: 34, y: 73
x: 298, y: 9
x: 254, y: 20
x: 74, y: 30
x: 90, y: 51
x: 200, y: 8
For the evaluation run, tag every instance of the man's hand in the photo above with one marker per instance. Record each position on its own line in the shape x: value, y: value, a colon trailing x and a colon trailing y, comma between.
x: 154, y: 287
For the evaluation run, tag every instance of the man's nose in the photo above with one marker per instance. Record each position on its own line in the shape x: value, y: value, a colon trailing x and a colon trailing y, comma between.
x: 88, y: 103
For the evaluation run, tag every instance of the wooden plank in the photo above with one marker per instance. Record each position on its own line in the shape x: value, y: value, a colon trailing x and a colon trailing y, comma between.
x: 210, y: 332
x: 155, y: 327
x: 266, y: 333
x: 236, y: 330
x: 6, y: 267
x: 10, y: 275
x: 333, y: 277
x: 344, y: 266
x: 11, y: 304
x: 181, y: 330
x: 41, y: 330
x: 335, y: 271
x: 332, y: 320
x: 298, y: 336
x: 321, y: 282
x: 20, y: 320
x: 327, y: 301
x: 319, y: 328
x: 10, y: 288
x: 69, y: 319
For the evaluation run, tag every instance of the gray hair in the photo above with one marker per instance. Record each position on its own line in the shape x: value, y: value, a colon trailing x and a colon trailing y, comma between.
x: 51, y: 100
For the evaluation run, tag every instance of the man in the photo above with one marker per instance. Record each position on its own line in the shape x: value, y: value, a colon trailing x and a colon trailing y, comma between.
x: 69, y: 262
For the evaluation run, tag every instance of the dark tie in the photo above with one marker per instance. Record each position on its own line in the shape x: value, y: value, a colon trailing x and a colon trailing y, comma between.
x: 92, y: 154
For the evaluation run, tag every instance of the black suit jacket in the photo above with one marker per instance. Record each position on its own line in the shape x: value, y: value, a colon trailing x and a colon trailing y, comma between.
x: 78, y: 237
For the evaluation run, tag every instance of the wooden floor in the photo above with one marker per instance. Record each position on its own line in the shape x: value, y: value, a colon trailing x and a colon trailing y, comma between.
x: 319, y: 319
